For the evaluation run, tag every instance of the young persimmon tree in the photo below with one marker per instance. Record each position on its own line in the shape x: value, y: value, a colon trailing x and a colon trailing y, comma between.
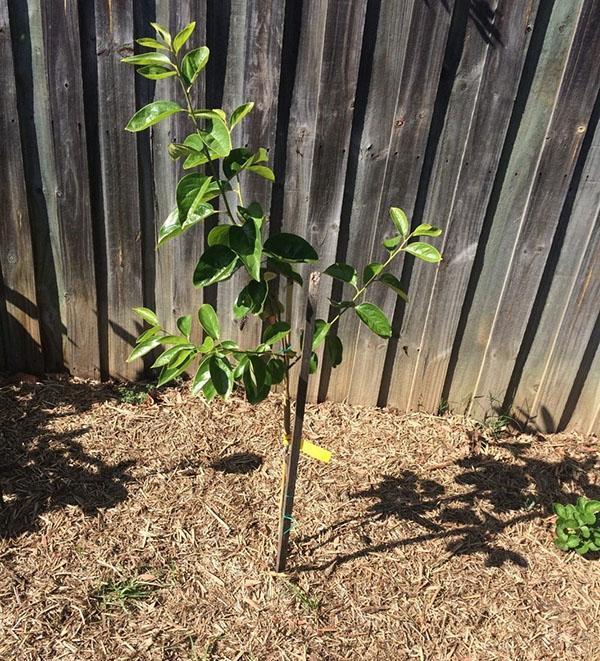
x: 241, y: 241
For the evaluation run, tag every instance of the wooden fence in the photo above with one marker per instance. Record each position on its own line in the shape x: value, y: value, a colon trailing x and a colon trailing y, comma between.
x: 477, y: 116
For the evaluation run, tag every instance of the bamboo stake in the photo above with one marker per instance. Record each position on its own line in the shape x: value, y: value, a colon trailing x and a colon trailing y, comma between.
x: 293, y: 448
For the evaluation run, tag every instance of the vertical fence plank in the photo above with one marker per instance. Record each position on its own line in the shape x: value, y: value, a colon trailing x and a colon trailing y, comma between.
x: 586, y: 415
x: 552, y: 362
x: 72, y: 203
x: 320, y: 123
x: 541, y: 210
x: 176, y: 260
x: 253, y: 64
x: 19, y: 325
x: 480, y: 108
x: 397, y: 122
x: 116, y: 104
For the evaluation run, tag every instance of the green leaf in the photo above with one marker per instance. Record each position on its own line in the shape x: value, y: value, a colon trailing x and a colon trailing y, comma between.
x: 321, y: 330
x: 219, y: 235
x: 251, y: 299
x: 314, y: 363
x: 245, y: 241
x: 262, y: 171
x: 202, y: 376
x: 400, y: 220
x: 334, y: 349
x: 152, y: 59
x: 148, y: 333
x: 169, y: 373
x: 217, y: 139
x: 192, y: 190
x: 209, y: 320
x: 236, y: 161
x: 148, y: 42
x: 374, y: 318
x: 393, y: 283
x: 221, y: 375
x: 208, y: 344
x: 163, y: 32
x: 393, y: 242
x: 151, y: 114
x: 239, y: 113
x: 185, y: 325
x: 193, y: 63
x: 147, y: 315
x: 216, y: 264
x: 344, y: 272
x: 170, y: 228
x: 426, y: 230
x: 370, y: 271
x: 275, y: 332
x: 424, y: 251
x: 183, y: 36
x: 284, y: 269
x: 240, y: 367
x: 290, y: 248
x: 167, y: 356
x: 156, y: 72
x: 144, y: 348
x: 256, y: 380
x: 559, y: 510
x: 276, y: 370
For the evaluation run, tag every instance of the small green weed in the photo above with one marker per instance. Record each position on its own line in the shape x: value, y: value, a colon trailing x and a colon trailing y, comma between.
x: 134, y: 394
x: 310, y: 603
x: 121, y: 593
x: 577, y: 526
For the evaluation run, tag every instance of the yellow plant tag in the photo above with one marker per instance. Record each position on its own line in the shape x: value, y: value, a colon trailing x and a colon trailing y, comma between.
x: 312, y: 450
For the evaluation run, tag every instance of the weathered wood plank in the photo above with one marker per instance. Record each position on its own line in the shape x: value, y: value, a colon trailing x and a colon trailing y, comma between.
x: 511, y: 203
x: 319, y: 135
x: 540, y: 213
x: 253, y: 71
x: 116, y: 101
x: 72, y: 194
x: 21, y: 348
x: 586, y: 415
x: 478, y: 114
x: 549, y: 368
x: 176, y: 260
x: 397, y: 123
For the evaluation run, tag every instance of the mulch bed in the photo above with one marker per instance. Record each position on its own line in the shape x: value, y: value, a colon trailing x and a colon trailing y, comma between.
x: 148, y: 532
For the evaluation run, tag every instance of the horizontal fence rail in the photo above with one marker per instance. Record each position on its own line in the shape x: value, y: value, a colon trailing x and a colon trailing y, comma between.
x: 480, y: 117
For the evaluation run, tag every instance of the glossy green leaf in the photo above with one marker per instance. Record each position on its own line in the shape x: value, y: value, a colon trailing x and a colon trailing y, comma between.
x: 167, y: 356
x: 216, y: 264
x: 393, y: 283
x: 334, y: 349
x: 426, y: 230
x: 156, y: 72
x: 147, y: 315
x: 202, y: 376
x: 424, y: 251
x: 262, y: 171
x: 314, y: 363
x: 284, y: 269
x: 374, y: 318
x: 148, y: 333
x: 275, y: 332
x: 208, y: 344
x: 170, y: 228
x: 276, y: 370
x: 290, y: 248
x: 321, y: 330
x: 148, y: 42
x: 169, y: 373
x: 393, y: 242
x: 219, y: 235
x: 183, y: 36
x: 163, y: 32
x: 193, y: 63
x: 221, y: 375
x: 184, y: 324
x: 400, y: 220
x: 370, y: 271
x: 246, y: 242
x: 256, y: 380
x: 217, y: 139
x: 209, y: 320
x: 239, y: 113
x: 151, y: 114
x: 236, y: 161
x: 143, y: 348
x: 151, y: 59
x: 251, y: 299
x: 343, y: 272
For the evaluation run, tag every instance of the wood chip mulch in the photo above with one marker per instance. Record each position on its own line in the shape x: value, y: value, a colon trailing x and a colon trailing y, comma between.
x: 148, y: 532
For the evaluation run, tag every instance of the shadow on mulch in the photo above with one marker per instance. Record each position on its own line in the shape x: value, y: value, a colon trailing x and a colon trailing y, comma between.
x: 41, y: 470
x: 470, y: 521
x: 238, y: 463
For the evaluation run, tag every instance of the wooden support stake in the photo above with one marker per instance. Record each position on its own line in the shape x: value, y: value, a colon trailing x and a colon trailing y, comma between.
x: 293, y: 448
